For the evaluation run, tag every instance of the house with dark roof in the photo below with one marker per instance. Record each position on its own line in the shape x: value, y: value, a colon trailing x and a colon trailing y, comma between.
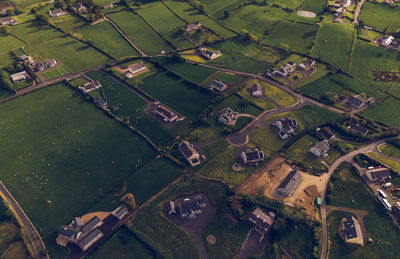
x: 227, y: 116
x: 209, y: 55
x: 262, y: 221
x: 56, y: 12
x: 320, y: 149
x: 101, y: 103
x: 190, y: 153
x: 187, y: 207
x: 44, y: 65
x: 350, y: 231
x: 284, y: 71
x: 88, y: 87
x: 354, y: 102
x: 193, y: 27
x: 285, y: 127
x: 357, y: 128
x: 379, y: 174
x: 167, y: 115
x: 91, y: 238
x: 8, y: 21
x: 256, y: 90
x: 326, y: 133
x: 289, y: 185
x: 218, y: 86
x: 120, y: 212
x: 251, y: 156
x: 306, y: 64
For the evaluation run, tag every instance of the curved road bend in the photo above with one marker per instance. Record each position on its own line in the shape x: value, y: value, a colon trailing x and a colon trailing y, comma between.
x: 37, y: 243
x: 332, y: 169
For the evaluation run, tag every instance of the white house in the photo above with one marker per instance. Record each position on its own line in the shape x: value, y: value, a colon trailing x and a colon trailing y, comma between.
x: 320, y: 148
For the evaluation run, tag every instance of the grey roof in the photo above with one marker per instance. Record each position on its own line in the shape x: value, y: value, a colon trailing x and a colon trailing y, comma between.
x: 122, y: 210
x: 326, y: 133
x: 253, y: 155
x: 101, y: 102
x: 217, y: 84
x: 358, y: 128
x: 166, y: 112
x: 91, y: 224
x: 379, y: 174
x: 137, y: 66
x: 185, y: 150
x: 291, y: 181
x: 354, y: 102
x: 349, y: 228
x: 71, y: 233
x: 262, y: 220
x: 89, y: 237
x: 322, y: 146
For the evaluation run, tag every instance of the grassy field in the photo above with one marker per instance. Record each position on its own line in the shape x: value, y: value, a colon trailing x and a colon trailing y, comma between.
x: 395, y: 165
x: 346, y: 190
x: 261, y: 102
x: 314, y: 115
x: 55, y: 72
x: 333, y: 44
x: 240, y: 105
x: 185, y: 99
x: 5, y: 59
x: 316, y: 6
x: 385, y: 112
x: 295, y: 36
x: 390, y: 150
x: 75, y: 55
x: 139, y: 32
x: 380, y: 16
x: 108, y: 39
x: 75, y: 148
x: 190, y: 72
x: 299, y: 151
x: 33, y: 32
x: 8, y: 43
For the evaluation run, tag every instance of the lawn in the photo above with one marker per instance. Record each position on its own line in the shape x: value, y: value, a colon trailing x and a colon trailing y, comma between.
x: 298, y: 37
x: 5, y: 59
x: 33, y: 32
x: 76, y: 56
x: 385, y: 112
x: 238, y: 104
x: 395, y: 165
x: 81, y: 146
x: 8, y: 43
x: 316, y: 6
x: 312, y: 115
x: 140, y: 33
x: 108, y: 39
x: 60, y: 70
x: 333, y: 44
x: 261, y: 102
x: 267, y: 138
x: 380, y: 16
x: 390, y: 150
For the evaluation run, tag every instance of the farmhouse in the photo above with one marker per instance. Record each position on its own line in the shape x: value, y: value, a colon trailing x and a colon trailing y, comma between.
x: 120, y: 212
x: 48, y: 64
x: 320, y: 149
x: 166, y: 114
x: 56, y: 12
x: 193, y: 27
x: 80, y: 8
x: 135, y: 68
x: 284, y: 71
x: 27, y: 59
x: 190, y: 153
x: 227, y: 116
x: 354, y: 102
x: 386, y: 41
x: 252, y: 156
x: 290, y: 183
x: 256, y: 90
x: 188, y: 207
x: 86, y: 88
x: 108, y: 6
x: 209, y: 55
x: 306, y: 64
x: 262, y: 221
x: 350, y: 231
x: 8, y: 21
x: 82, y: 235
x: 285, y: 127
x: 101, y: 103
x: 357, y: 128
x: 379, y: 174
x: 4, y: 6
x: 20, y: 76
x: 218, y: 86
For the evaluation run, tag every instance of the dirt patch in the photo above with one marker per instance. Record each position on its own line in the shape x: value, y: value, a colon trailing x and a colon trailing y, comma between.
x: 306, y: 14
x: 101, y: 214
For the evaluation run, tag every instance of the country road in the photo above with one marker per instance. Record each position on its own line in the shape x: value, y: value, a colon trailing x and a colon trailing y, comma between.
x: 357, y: 11
x: 36, y: 241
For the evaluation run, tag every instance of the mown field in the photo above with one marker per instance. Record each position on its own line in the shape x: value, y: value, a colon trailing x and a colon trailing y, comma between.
x: 385, y: 112
x: 316, y: 6
x: 33, y: 32
x: 81, y: 146
x: 8, y: 43
x: 380, y: 16
x: 190, y: 72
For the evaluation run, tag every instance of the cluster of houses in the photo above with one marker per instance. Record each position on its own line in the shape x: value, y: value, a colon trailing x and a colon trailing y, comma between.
x: 227, y: 116
x: 9, y: 21
x: 39, y: 66
x: 389, y: 42
x: 262, y: 221
x: 291, y: 182
x: 91, y: 86
x: 350, y: 231
x: 208, y: 54
x: 193, y: 27
x: 285, y: 127
x: 188, y: 207
x: 189, y: 152
x: 340, y: 7
x: 135, y: 68
x: 165, y: 114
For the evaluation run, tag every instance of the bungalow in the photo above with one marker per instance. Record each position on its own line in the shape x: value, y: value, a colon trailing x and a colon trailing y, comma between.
x: 290, y: 183
x: 284, y: 71
x: 386, y: 41
x: 166, y: 114
x: 8, y: 21
x: 306, y: 64
x: 56, y: 12
x: 101, y: 103
x: 86, y: 88
x: 218, y: 86
x: 252, y: 156
x: 320, y: 149
x: 44, y: 65
x: 190, y: 153
x: 357, y: 128
x: 20, y: 76
x: 262, y: 221
x: 285, y: 127
x: 354, y: 102
x: 120, y: 212
x: 350, y: 231
x: 188, y: 207
x: 227, y: 116
x: 379, y: 174
x: 135, y: 68
x: 193, y: 27
x: 209, y: 55
x: 256, y: 90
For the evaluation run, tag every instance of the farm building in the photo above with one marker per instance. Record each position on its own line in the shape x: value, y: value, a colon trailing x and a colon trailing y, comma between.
x: 379, y: 174
x: 101, y: 103
x: 8, y: 21
x: 218, y: 86
x: 354, y: 102
x: 209, y: 55
x: 190, y: 153
x: 386, y: 41
x: 306, y: 64
x: 262, y: 221
x: 80, y: 8
x: 252, y: 156
x: 284, y: 71
x: 290, y: 183
x: 256, y: 90
x: 20, y: 76
x: 193, y: 27
x: 108, y: 6
x: 44, y: 65
x: 120, y: 212
x: 357, y: 128
x: 56, y: 12
x: 350, y: 231
x: 227, y: 116
x: 285, y: 127
x: 188, y: 207
x: 320, y: 149
x: 166, y: 114
x: 135, y: 68
x: 86, y: 88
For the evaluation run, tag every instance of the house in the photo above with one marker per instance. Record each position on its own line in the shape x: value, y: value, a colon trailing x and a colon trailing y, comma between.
x: 227, y: 116
x: 347, y: 3
x: 135, y: 68
x: 386, y: 41
x: 306, y: 64
x: 193, y: 27
x: 80, y: 8
x: 256, y: 90
x: 354, y: 102
x: 166, y: 114
x: 357, y: 128
x: 187, y: 207
x: 218, y: 86
x: 252, y: 156
x: 101, y: 103
x: 209, y: 55
x: 44, y: 65
x: 326, y: 133
x: 350, y: 231
x: 190, y: 153
x: 8, y: 21
x: 262, y: 221
x: 26, y: 59
x: 379, y: 174
x: 320, y: 149
x: 120, y: 212
x: 20, y: 76
x: 285, y: 127
x: 284, y: 71
x: 88, y: 87
x: 4, y: 6
x: 290, y: 183
x: 56, y: 12
x: 108, y: 6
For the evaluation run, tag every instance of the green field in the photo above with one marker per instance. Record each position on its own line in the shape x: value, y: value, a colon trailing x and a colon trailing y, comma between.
x: 333, y: 44
x: 316, y: 6
x: 390, y: 150
x: 312, y: 115
x: 395, y: 165
x: 140, y: 33
x: 55, y: 72
x: 299, y: 151
x: 33, y: 32
x: 81, y: 146
x: 380, y: 16
x: 8, y: 43
x: 385, y: 112
x: 190, y: 72
x: 108, y: 39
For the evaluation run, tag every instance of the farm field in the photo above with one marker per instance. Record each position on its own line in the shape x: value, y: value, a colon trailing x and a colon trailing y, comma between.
x: 385, y: 112
x: 315, y: 6
x: 216, y: 8
x: 333, y: 44
x: 8, y: 43
x: 390, y: 150
x: 5, y: 59
x: 32, y: 32
x: 69, y: 22
x: 380, y: 16
x: 75, y: 148
x: 55, y: 72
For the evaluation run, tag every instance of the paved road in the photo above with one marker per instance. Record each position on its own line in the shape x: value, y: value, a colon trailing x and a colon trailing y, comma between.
x: 357, y: 11
x: 332, y: 169
x: 36, y: 241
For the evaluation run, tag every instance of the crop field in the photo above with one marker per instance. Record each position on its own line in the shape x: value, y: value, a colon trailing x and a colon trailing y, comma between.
x: 385, y: 112
x: 33, y: 32
x: 75, y: 55
x: 81, y: 146
x: 333, y: 44
x: 108, y: 39
x: 380, y: 16
x: 139, y: 32
x: 187, y: 100
x: 8, y: 43
x: 295, y: 36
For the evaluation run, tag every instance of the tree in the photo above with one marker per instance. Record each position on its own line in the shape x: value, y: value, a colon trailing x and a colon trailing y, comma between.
x: 35, y: 9
x: 5, y: 30
x: 61, y: 4
x: 226, y: 14
x: 10, y: 12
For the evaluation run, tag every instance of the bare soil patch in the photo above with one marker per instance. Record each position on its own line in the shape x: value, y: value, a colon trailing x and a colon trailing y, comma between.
x: 306, y: 14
